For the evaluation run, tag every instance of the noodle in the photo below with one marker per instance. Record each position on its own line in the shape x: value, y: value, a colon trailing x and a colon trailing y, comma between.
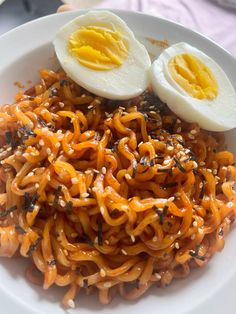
x: 114, y: 201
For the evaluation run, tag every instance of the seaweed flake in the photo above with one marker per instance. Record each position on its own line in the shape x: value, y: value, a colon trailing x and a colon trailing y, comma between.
x: 169, y: 185
x: 29, y: 202
x: 57, y: 195
x: 20, y: 230
x: 178, y: 165
x: 52, y: 263
x: 162, y: 212
x: 34, y: 246
x: 6, y: 212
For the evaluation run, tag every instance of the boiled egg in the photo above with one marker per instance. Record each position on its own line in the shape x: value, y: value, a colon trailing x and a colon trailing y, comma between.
x: 100, y: 53
x: 194, y: 87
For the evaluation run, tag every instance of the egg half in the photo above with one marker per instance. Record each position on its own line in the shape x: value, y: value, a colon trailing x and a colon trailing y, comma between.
x: 194, y: 87
x: 100, y: 53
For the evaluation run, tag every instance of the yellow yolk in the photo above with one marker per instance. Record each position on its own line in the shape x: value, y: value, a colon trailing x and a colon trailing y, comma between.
x: 98, y: 47
x: 193, y: 76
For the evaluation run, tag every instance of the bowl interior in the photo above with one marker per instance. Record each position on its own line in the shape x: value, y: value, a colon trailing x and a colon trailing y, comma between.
x: 20, y: 63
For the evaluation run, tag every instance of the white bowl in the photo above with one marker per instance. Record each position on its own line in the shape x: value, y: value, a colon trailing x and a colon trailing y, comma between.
x: 211, y: 289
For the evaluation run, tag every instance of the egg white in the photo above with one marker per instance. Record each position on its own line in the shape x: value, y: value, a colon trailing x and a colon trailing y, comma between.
x: 124, y: 82
x: 218, y: 114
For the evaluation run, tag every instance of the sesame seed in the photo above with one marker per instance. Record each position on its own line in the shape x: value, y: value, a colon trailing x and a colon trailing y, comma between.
x: 195, y: 165
x: 95, y: 170
x: 158, y: 276
x: 18, y: 153
x: 193, y: 236
x: 179, y: 146
x: 62, y: 203
x: 154, y: 239
x: 177, y: 194
x: 171, y: 199
x: 83, y: 95
x: 193, y: 132
x: 97, y: 101
x: 102, y: 272
x: 107, y: 114
x: 95, y: 189
x: 74, y: 180
x: 84, y: 195
x: 48, y: 151
x: 195, y: 223
x: 230, y: 204
x: 41, y: 142
x: 106, y: 242
x: 177, y: 245
x: 178, y: 121
x: 166, y: 161
x: 36, y: 185
x: 61, y: 104
x: 152, y: 112
x: 183, y: 158
x: 179, y: 232
x: 128, y: 176
x: 70, y: 151
x: 59, y: 132
x: 45, y: 130
x: 152, y: 107
x: 191, y: 136
x: 122, y: 108
x: 48, y: 177
x: 170, y: 148
x: 95, y: 240
x: 104, y: 170
x: 11, y: 215
x: 202, y: 163
x: 102, y: 210
x: 30, y: 174
x: 200, y: 231
x: 140, y: 143
x: 209, y: 170
x: 214, y: 171
x: 57, y: 145
x: 132, y: 238
x: 200, y: 185
x: 71, y: 303
x: 9, y: 149
x: 107, y: 284
x: 124, y: 252
x: 162, y: 137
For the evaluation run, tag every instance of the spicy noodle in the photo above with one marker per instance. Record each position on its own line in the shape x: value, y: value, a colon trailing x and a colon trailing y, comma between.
x: 109, y: 196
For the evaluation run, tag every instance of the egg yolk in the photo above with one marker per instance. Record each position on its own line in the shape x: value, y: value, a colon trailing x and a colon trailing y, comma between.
x: 193, y: 76
x: 98, y: 47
